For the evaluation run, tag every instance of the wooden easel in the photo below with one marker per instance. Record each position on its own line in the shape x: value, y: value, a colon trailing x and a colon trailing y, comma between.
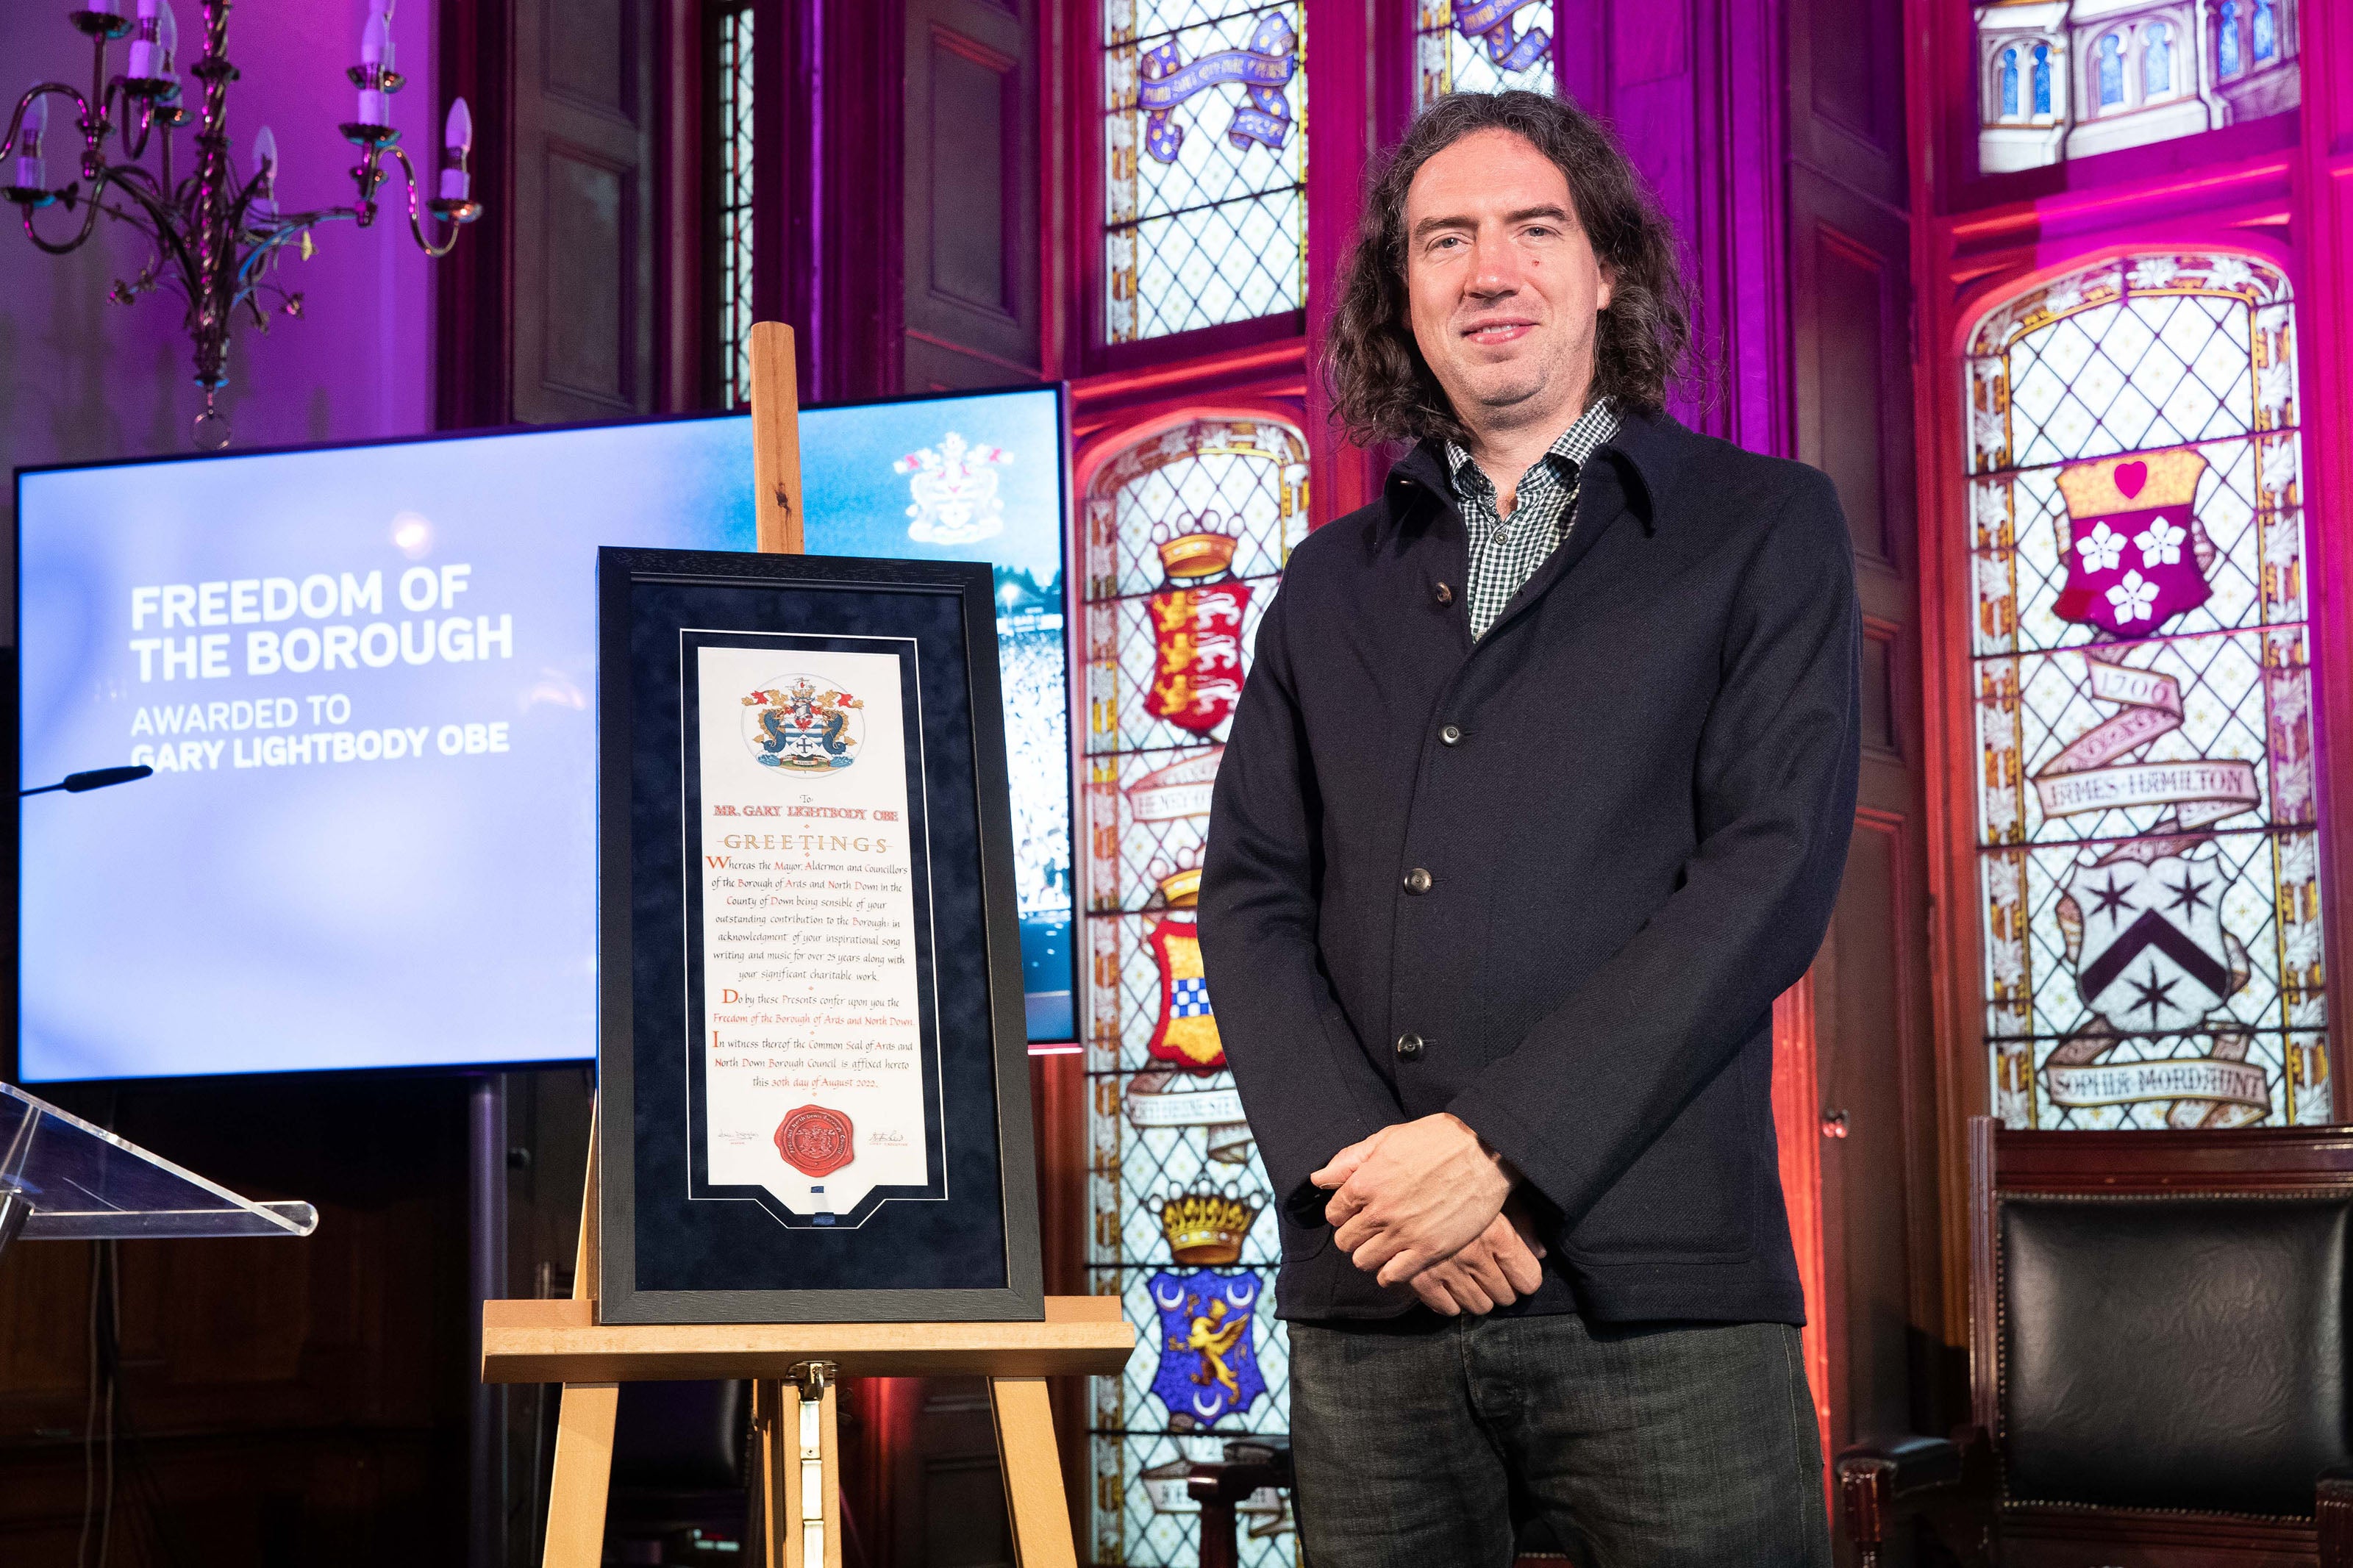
x: 795, y: 1368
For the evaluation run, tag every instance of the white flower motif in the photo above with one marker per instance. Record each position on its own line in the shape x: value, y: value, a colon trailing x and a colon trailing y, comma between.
x: 2228, y: 273
x: 2101, y: 549
x: 2160, y: 543
x: 2133, y: 598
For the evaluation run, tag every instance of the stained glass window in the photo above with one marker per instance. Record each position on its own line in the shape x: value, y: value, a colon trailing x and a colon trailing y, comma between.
x: 1205, y: 163
x: 1480, y: 46
x: 1187, y: 532
x: 733, y: 78
x: 2125, y: 74
x: 2146, y: 811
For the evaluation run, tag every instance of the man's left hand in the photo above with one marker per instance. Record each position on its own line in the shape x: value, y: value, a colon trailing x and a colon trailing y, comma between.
x: 1422, y: 1192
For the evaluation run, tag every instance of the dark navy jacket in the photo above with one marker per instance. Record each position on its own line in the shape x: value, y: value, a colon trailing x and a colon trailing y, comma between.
x: 1627, y: 809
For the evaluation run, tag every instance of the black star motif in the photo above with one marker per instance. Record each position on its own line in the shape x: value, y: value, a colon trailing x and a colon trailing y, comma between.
x: 2111, y: 898
x: 2152, y: 995
x: 2189, y: 893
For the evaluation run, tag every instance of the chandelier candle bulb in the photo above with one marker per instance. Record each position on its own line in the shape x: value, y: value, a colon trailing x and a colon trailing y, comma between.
x: 214, y: 234
x: 167, y: 41
x: 30, y: 173
x: 265, y: 166
x: 141, y: 66
x: 376, y: 58
x: 457, y: 142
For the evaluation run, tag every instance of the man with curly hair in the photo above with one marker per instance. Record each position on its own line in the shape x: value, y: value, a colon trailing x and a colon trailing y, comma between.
x: 1538, y: 793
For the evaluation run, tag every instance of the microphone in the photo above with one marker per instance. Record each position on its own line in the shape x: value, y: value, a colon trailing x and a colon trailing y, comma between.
x: 96, y: 778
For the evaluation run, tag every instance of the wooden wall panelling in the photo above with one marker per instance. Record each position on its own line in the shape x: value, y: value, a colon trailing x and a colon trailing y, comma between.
x: 685, y: 311
x: 970, y: 226
x: 579, y: 293
x: 471, y: 344
x: 282, y: 1402
x: 1691, y: 88
x: 1893, y: 1365
x: 829, y: 235
x: 1846, y: 95
x: 585, y: 169
x: 1359, y: 98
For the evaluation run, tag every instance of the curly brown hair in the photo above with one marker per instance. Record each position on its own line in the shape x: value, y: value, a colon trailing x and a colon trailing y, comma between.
x: 1382, y: 388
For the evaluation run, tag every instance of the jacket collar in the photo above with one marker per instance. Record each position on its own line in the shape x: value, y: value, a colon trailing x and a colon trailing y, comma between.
x: 1644, y: 451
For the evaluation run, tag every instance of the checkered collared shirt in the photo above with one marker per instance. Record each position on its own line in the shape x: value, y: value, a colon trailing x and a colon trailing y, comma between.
x: 1507, y: 551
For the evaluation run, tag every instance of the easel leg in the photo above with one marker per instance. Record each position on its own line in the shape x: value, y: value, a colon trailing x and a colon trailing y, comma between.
x: 1033, y: 1474
x: 584, y: 1473
x: 584, y: 1421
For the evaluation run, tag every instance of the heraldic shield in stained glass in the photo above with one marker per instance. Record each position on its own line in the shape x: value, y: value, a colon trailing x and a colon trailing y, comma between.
x: 1187, y: 532
x: 2147, y: 807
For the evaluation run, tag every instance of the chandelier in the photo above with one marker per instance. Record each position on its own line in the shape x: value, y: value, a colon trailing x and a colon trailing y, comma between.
x: 215, y: 232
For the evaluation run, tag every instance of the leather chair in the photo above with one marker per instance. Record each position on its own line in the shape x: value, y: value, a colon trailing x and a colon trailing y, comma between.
x: 2160, y: 1358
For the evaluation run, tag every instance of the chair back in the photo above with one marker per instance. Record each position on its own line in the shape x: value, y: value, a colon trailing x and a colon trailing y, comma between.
x: 2159, y: 1319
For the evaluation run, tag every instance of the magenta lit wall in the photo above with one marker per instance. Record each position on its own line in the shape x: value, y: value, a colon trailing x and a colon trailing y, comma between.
x: 82, y: 378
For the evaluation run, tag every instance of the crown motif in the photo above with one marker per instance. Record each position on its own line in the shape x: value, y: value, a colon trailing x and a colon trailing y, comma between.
x: 954, y: 491
x: 800, y: 691
x: 1177, y: 878
x: 1203, y: 549
x: 2133, y: 483
x: 1206, y: 1228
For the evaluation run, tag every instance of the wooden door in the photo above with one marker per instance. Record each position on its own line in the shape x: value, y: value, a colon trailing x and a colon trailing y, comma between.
x: 1850, y: 323
x: 583, y: 233
x: 969, y: 301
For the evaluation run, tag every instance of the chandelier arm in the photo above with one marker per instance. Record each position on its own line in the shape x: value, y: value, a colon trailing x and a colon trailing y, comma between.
x: 171, y: 245
x: 416, y: 217
x: 249, y: 270
x: 25, y: 104
x: 135, y: 108
x: 89, y: 222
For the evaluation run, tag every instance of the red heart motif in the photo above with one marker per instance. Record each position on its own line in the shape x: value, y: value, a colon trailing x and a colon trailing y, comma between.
x: 2130, y: 478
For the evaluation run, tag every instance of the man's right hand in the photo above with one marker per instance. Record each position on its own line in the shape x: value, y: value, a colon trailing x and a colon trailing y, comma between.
x: 1496, y: 1269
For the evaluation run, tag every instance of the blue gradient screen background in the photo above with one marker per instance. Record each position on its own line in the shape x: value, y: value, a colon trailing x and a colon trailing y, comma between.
x: 297, y: 889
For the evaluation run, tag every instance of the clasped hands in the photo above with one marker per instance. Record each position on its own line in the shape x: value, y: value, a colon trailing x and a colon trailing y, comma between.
x: 1425, y: 1203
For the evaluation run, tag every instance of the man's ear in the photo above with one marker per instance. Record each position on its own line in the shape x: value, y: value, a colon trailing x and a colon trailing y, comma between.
x: 1607, y: 292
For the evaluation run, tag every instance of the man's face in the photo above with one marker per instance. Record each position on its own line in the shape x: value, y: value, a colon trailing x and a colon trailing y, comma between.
x: 1503, y: 283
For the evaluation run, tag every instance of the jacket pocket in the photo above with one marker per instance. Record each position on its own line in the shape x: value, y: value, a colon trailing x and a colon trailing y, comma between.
x: 1692, y: 1196
x: 1300, y: 1242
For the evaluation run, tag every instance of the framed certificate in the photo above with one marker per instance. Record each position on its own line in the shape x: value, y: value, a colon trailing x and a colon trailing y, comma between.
x: 810, y: 1045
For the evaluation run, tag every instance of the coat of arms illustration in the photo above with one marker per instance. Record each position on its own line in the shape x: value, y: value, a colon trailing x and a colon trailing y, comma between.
x: 2142, y: 919
x: 2132, y: 561
x: 1186, y: 1034
x: 955, y: 491
x: 803, y: 727
x: 1208, y: 1352
x: 1197, y: 628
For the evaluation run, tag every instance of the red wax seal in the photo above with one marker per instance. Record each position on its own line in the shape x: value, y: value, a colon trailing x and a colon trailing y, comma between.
x: 814, y: 1141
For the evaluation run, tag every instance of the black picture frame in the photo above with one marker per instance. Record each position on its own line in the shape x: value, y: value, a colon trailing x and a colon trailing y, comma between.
x: 675, y: 1246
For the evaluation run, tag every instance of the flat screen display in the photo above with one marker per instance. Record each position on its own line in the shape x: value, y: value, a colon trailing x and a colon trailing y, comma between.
x: 366, y: 679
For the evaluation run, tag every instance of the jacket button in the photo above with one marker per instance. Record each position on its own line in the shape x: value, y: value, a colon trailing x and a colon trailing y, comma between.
x: 1409, y: 1046
x: 1450, y: 736
x: 1417, y: 880
x: 1444, y: 595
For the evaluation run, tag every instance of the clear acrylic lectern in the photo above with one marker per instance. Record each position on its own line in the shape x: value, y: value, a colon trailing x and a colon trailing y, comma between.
x: 62, y: 1179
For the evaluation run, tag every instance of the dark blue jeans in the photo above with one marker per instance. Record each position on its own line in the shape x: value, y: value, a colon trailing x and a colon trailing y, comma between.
x: 1683, y: 1445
